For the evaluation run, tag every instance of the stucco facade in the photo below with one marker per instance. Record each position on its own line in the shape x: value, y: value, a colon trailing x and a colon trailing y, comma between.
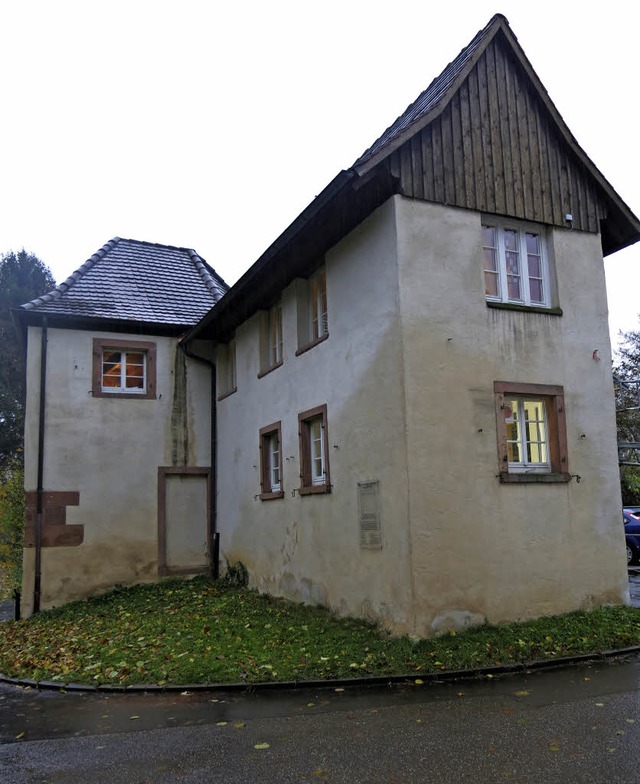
x: 413, y: 414
x: 407, y: 374
x: 108, y: 451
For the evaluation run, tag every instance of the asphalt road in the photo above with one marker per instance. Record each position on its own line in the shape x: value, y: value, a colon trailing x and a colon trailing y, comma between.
x: 577, y: 725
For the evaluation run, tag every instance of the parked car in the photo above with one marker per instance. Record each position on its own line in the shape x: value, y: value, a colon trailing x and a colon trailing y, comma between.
x: 631, y: 522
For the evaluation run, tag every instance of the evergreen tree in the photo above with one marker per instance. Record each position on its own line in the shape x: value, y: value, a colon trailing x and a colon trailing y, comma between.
x: 23, y: 277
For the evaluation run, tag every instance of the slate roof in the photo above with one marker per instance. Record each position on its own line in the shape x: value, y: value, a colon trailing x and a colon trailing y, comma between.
x: 429, y: 98
x: 134, y: 281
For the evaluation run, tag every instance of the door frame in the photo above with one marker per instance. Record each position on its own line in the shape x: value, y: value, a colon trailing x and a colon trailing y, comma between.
x: 164, y: 472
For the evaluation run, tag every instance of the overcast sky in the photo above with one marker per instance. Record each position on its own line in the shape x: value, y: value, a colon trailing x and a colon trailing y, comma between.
x: 211, y: 125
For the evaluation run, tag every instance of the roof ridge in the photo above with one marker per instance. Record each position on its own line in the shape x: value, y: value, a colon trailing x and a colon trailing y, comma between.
x: 75, y: 276
x: 433, y: 93
x: 159, y: 245
x: 214, y: 283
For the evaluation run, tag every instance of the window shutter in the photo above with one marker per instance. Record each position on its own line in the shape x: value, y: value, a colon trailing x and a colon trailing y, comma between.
x: 369, y: 515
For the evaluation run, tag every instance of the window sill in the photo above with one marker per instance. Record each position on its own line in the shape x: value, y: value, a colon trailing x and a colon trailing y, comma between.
x: 315, y: 489
x: 534, y: 479
x: 524, y: 308
x: 226, y: 394
x: 268, y: 370
x: 313, y: 343
x: 127, y: 395
x: 271, y: 496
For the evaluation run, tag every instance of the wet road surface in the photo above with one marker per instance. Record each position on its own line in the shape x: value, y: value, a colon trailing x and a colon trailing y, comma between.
x: 575, y: 725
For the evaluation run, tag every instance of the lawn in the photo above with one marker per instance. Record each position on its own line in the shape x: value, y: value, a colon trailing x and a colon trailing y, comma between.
x: 196, y: 631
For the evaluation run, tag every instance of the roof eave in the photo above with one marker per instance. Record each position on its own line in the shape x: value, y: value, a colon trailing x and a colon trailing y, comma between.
x: 22, y: 319
x: 235, y: 294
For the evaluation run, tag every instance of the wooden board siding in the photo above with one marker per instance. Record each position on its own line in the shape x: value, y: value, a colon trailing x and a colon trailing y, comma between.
x: 494, y: 149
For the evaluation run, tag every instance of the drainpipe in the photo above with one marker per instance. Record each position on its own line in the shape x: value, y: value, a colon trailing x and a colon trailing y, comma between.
x: 213, y: 484
x: 39, y: 489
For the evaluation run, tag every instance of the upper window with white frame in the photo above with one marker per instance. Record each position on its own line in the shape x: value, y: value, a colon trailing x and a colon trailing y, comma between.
x: 313, y: 322
x: 124, y: 368
x: 516, y: 267
x: 271, y: 344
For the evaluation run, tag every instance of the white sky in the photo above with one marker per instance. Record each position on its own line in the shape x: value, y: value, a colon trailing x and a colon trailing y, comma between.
x: 211, y: 125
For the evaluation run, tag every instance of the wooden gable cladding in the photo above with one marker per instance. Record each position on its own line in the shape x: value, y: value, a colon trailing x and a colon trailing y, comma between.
x: 494, y: 148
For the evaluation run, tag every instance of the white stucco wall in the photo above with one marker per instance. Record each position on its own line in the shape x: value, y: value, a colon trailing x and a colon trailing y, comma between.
x: 108, y: 450
x: 407, y: 374
x: 307, y: 548
x: 483, y: 549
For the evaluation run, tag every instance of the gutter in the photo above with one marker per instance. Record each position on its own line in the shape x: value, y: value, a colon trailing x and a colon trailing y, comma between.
x: 37, y: 583
x: 213, y: 459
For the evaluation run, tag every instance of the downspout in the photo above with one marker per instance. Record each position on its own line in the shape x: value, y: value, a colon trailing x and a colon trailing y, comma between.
x: 213, y: 483
x: 40, y: 483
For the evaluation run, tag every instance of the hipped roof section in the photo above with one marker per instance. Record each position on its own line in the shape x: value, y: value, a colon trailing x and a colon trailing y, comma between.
x: 129, y: 285
x: 484, y: 135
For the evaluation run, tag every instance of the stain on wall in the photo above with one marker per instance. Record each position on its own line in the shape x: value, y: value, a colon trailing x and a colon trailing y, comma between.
x: 179, y: 413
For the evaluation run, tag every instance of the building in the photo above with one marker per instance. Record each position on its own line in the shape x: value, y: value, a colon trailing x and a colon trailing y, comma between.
x: 414, y: 416
x: 114, y: 412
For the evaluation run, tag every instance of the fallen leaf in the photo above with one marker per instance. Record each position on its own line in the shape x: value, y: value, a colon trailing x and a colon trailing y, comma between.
x: 554, y: 746
x: 418, y: 682
x: 21, y: 735
x: 310, y: 704
x: 134, y: 717
x: 521, y: 693
x: 261, y: 746
x: 239, y: 725
x: 339, y: 689
x: 221, y: 724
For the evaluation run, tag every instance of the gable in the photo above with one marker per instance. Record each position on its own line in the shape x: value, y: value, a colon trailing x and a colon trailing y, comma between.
x: 486, y: 136
x: 483, y: 136
x: 495, y: 149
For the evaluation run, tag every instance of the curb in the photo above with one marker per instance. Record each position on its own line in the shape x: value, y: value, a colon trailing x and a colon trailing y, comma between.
x: 446, y: 676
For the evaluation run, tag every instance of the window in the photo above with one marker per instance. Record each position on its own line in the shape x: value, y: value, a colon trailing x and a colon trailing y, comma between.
x: 515, y: 265
x: 313, y: 324
x: 314, y: 451
x: 271, y: 462
x: 532, y: 435
x: 124, y: 368
x: 227, y: 369
x: 271, y: 339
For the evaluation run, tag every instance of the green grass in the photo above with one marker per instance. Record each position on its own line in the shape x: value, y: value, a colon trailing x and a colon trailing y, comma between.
x: 184, y: 632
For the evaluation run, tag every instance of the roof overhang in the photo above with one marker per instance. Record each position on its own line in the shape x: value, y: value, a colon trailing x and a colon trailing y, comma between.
x: 22, y: 319
x: 342, y: 205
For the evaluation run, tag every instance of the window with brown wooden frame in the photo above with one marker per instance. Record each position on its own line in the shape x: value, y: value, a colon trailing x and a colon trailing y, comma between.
x: 532, y: 433
x: 313, y: 322
x: 314, y: 451
x: 271, y: 345
x: 271, y: 485
x: 226, y: 369
x: 123, y: 369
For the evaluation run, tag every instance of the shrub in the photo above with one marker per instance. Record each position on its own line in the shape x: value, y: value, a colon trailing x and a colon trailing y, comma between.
x: 11, y: 527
